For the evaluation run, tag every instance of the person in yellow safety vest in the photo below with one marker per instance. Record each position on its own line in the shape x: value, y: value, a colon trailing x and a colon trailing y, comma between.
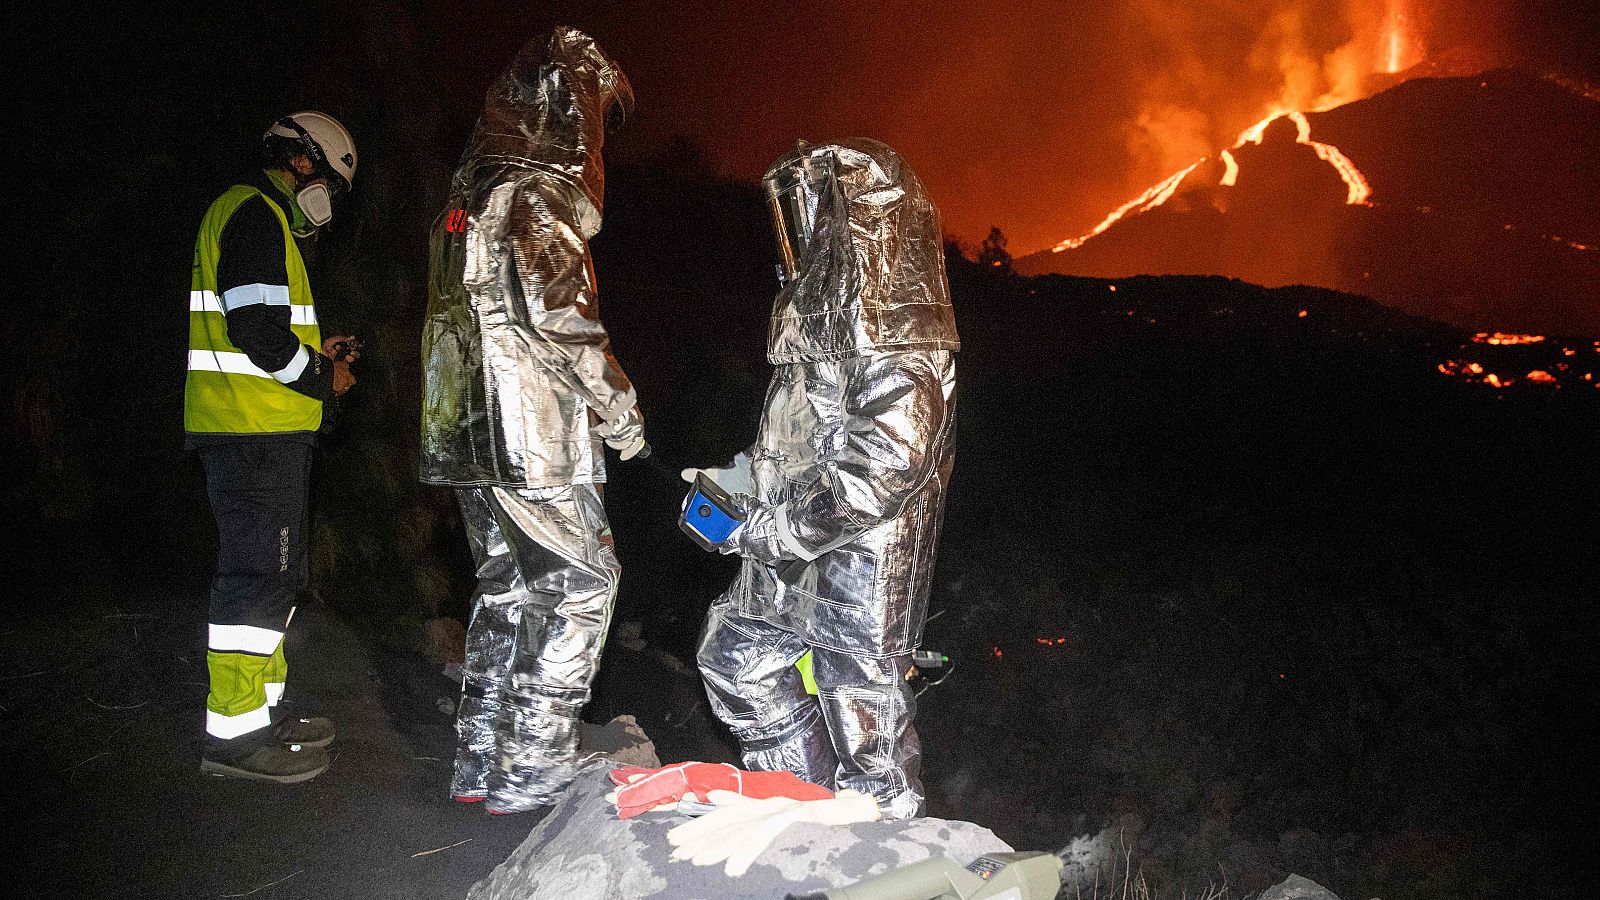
x: 260, y: 373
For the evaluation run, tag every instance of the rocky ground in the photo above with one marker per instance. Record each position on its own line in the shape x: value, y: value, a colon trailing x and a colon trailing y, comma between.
x: 103, y: 700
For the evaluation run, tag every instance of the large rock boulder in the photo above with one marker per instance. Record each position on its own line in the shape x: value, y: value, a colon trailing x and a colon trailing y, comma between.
x: 620, y: 740
x: 581, y: 851
x: 1297, y: 887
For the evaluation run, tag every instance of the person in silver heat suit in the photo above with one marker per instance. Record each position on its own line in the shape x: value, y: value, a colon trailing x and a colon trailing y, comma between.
x: 845, y: 483
x: 520, y: 388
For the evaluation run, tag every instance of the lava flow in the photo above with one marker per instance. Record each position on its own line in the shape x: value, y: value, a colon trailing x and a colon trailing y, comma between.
x: 1399, y: 53
x: 1150, y: 199
x: 1358, y: 190
x: 1388, y: 48
x: 1355, y: 183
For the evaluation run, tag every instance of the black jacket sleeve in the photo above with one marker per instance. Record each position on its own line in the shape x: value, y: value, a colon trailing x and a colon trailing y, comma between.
x: 253, y: 285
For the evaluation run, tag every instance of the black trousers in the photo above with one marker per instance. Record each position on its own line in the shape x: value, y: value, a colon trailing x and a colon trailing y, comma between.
x: 259, y: 493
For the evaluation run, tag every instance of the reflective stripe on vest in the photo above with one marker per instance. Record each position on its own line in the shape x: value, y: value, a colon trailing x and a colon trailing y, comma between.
x: 224, y: 392
x: 206, y: 301
x: 240, y: 364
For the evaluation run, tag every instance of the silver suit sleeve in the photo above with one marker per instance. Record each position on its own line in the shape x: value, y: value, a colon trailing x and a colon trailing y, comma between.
x: 558, y: 316
x: 894, y: 424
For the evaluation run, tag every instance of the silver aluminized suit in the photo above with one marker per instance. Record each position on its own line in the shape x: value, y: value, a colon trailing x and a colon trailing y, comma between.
x: 847, y: 480
x: 516, y: 369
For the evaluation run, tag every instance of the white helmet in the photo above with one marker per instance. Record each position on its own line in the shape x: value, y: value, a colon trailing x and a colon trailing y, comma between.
x: 326, y: 142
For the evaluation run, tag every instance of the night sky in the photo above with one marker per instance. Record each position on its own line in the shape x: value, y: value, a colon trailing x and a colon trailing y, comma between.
x: 1038, y: 117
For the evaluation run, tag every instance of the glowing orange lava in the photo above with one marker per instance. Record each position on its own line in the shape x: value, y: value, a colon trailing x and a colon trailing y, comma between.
x: 1396, y: 42
x: 1457, y: 367
x: 1357, y: 190
x: 1387, y: 45
x: 1501, y: 339
x: 1150, y: 199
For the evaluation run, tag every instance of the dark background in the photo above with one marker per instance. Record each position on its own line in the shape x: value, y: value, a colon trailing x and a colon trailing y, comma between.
x: 1264, y: 592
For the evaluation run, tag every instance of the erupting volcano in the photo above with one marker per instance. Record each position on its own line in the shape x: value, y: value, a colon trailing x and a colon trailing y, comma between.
x: 1466, y: 198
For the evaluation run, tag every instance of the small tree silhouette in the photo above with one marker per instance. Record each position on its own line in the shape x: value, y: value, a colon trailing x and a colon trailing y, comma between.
x: 992, y: 254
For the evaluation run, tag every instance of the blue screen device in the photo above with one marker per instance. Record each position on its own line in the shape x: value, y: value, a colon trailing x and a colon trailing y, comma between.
x: 709, y: 515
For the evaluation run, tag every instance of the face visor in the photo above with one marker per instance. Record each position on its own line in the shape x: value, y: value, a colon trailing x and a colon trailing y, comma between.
x: 793, y: 192
x: 619, y: 100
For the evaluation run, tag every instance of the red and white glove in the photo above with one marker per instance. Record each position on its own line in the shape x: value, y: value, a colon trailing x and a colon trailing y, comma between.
x: 641, y: 790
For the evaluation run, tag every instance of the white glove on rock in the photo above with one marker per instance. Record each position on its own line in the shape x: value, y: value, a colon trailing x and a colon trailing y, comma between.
x: 625, y: 433
x: 740, y: 828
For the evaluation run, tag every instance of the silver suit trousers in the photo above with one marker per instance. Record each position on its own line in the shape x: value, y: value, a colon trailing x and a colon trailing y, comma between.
x: 855, y: 733
x: 547, y: 580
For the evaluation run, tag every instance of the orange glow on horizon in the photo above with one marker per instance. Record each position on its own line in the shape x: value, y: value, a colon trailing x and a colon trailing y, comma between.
x: 1501, y: 339
x: 1385, y: 40
x: 1357, y: 188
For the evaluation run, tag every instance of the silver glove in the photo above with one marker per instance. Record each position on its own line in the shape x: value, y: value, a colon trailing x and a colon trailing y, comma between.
x: 625, y: 433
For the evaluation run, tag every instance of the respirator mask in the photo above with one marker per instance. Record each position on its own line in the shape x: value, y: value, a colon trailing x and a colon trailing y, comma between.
x: 316, y: 201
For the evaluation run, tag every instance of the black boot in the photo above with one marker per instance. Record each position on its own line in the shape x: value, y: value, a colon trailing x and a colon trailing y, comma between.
x: 313, y: 732
x: 260, y: 757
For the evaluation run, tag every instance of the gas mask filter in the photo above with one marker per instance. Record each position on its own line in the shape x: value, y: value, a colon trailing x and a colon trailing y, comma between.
x: 316, y: 201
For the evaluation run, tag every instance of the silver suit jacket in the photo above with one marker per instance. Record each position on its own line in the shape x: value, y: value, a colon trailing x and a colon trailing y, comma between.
x: 515, y: 362
x: 857, y: 439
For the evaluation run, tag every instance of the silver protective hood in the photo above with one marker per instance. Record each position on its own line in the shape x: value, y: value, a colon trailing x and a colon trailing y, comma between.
x: 549, y: 110
x: 863, y: 254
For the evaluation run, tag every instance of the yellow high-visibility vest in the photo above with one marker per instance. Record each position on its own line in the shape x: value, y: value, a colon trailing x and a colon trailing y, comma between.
x: 225, y: 393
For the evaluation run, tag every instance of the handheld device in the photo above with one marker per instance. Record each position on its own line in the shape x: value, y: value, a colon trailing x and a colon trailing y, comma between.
x: 342, y: 349
x: 709, y: 514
